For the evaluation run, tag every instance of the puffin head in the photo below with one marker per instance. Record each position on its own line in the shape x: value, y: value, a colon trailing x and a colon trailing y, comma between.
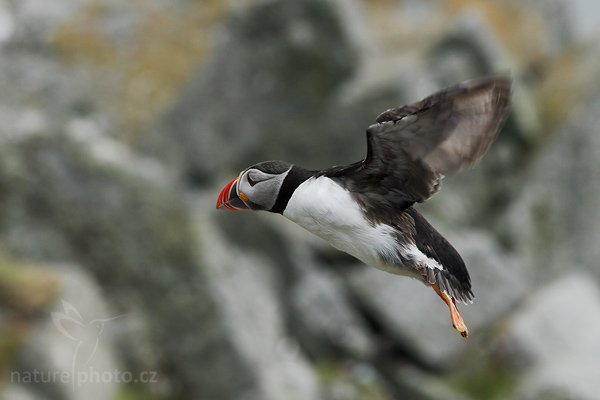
x: 256, y: 188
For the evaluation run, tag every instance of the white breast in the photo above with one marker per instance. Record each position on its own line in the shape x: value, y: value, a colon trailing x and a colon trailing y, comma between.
x: 324, y: 208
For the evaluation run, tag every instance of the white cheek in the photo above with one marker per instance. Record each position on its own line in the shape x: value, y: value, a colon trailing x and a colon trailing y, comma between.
x: 244, y: 187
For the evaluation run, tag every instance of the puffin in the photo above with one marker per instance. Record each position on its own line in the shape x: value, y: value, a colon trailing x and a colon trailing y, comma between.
x: 366, y: 208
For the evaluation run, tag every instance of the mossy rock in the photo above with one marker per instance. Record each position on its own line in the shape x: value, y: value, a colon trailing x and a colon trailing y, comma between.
x: 60, y: 202
x: 25, y: 289
x: 337, y: 378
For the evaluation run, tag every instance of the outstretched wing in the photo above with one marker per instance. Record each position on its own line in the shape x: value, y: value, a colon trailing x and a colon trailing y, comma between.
x: 412, y: 147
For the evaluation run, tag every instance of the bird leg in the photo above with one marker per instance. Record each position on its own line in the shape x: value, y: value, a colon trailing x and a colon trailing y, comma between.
x: 457, y: 321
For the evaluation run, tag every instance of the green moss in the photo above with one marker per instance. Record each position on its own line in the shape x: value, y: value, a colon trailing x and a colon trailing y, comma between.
x: 162, y: 56
x: 12, y: 338
x: 332, y: 374
x: 25, y: 289
x: 327, y: 371
x: 136, y: 392
x: 492, y: 381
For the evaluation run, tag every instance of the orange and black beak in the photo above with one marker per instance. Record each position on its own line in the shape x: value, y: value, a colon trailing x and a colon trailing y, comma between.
x: 230, y: 198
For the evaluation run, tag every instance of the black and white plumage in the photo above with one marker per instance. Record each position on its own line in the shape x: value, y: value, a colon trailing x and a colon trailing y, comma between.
x: 366, y: 208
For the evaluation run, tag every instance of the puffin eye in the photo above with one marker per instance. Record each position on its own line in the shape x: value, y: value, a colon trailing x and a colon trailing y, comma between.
x: 251, y: 181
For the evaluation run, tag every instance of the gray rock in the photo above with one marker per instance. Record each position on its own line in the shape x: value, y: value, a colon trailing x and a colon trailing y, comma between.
x: 33, y: 71
x: 356, y: 29
x: 247, y: 295
x: 582, y: 19
x: 419, y: 320
x: 554, y: 223
x: 472, y: 49
x: 229, y: 308
x: 18, y: 392
x: 352, y: 381
x: 99, y: 59
x: 553, y: 340
x: 325, y: 314
x: 469, y: 50
x: 275, y: 68
x: 66, y: 200
x: 7, y: 23
x: 37, y: 19
x: 424, y: 386
x: 66, y: 350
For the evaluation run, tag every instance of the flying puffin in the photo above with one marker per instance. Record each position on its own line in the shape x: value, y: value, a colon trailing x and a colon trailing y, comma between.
x: 366, y: 208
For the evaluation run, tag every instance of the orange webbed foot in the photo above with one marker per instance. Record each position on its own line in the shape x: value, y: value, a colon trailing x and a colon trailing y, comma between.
x: 457, y: 321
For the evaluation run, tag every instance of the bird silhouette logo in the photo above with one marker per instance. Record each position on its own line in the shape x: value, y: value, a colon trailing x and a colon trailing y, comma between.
x: 86, y: 335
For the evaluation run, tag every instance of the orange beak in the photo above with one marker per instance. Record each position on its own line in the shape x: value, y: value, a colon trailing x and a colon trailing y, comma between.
x: 229, y: 199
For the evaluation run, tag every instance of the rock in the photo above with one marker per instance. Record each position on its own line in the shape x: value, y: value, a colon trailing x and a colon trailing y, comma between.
x: 350, y: 13
x: 106, y: 105
x: 583, y: 19
x: 419, y: 321
x: 101, y: 59
x: 36, y: 19
x: 18, y: 392
x: 25, y: 289
x: 65, y: 199
x: 553, y: 340
x: 270, y: 80
x: 248, y: 299
x: 326, y: 317
x: 553, y: 224
x: 27, y: 292
x: 67, y: 350
x: 33, y: 73
x: 352, y: 381
x: 472, y: 48
x: 421, y: 385
x: 7, y: 24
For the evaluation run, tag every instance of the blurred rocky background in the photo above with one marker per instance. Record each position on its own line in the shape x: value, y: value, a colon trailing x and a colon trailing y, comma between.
x: 121, y: 120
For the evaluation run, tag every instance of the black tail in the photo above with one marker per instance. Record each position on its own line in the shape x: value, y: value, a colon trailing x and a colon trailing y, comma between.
x: 454, y: 277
